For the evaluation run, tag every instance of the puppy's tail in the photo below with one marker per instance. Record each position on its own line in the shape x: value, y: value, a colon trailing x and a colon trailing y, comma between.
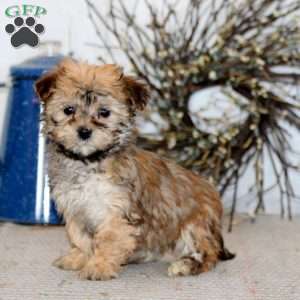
x: 224, y: 253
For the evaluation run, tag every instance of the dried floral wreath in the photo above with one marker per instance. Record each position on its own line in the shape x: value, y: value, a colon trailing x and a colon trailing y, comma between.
x: 250, y: 48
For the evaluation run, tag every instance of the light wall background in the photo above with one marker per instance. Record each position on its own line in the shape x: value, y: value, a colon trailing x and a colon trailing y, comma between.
x: 67, y: 23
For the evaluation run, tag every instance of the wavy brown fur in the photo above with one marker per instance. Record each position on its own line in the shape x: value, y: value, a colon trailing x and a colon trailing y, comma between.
x: 131, y: 205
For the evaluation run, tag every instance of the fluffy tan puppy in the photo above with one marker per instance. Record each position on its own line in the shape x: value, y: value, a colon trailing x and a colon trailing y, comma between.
x: 121, y: 204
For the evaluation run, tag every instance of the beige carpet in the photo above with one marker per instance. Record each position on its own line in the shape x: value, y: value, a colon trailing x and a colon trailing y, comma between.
x: 267, y: 267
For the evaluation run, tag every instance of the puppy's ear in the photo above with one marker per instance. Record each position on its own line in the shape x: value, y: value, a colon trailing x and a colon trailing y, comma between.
x: 45, y: 85
x: 137, y: 91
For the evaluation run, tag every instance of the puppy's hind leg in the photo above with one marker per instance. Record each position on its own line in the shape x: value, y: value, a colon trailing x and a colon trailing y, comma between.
x: 198, y: 251
x: 189, y: 265
x: 184, y: 266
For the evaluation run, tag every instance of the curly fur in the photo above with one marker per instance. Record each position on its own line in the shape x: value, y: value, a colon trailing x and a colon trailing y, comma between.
x: 128, y: 205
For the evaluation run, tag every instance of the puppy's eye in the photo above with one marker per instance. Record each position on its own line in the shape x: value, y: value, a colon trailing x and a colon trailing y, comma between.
x: 69, y: 110
x: 103, y: 112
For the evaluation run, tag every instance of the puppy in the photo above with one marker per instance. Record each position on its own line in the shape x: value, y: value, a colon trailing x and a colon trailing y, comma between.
x: 121, y: 204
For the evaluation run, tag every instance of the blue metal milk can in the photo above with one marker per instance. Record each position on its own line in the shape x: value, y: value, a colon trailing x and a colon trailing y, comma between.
x: 24, y: 190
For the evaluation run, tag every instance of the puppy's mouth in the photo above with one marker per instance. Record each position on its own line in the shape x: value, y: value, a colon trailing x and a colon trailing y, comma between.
x: 94, y: 156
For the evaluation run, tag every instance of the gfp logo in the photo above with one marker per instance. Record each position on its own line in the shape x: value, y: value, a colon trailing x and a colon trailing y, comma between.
x: 24, y: 30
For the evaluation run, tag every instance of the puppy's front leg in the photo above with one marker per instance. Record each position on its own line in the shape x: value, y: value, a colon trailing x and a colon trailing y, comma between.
x: 80, y: 248
x: 113, y: 243
x: 73, y: 261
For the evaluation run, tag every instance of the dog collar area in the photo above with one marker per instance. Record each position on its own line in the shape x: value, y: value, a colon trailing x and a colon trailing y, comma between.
x: 93, y: 157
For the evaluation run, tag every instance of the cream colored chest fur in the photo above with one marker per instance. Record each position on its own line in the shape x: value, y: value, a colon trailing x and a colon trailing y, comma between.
x: 83, y: 192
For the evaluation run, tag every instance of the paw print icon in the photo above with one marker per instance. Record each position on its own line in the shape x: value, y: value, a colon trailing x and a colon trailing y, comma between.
x: 24, y: 33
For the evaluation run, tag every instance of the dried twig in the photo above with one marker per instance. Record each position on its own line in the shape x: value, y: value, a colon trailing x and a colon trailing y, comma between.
x: 208, y: 44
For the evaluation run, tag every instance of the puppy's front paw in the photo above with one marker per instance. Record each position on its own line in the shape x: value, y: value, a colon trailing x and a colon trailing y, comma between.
x: 73, y: 261
x: 98, y: 270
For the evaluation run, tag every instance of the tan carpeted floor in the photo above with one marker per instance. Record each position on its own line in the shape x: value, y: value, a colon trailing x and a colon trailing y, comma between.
x: 267, y: 267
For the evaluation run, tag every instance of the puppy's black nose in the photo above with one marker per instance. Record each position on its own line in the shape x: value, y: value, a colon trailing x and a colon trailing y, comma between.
x: 84, y: 133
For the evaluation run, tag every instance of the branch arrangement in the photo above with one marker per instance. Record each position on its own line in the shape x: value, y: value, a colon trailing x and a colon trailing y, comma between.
x: 250, y: 48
